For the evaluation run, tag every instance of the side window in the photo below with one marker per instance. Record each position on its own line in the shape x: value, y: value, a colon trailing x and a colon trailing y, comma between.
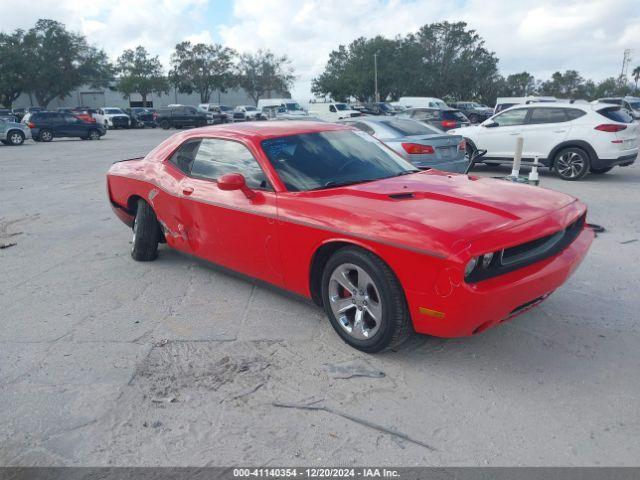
x: 332, y: 108
x: 218, y: 157
x: 183, y: 157
x: 70, y: 119
x: 573, y: 113
x: 364, y: 127
x: 512, y: 117
x: 548, y: 115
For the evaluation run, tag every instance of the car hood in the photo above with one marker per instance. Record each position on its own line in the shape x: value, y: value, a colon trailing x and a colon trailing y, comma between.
x: 432, y: 210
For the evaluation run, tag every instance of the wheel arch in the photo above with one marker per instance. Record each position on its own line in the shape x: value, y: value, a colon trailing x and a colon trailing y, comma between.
x: 586, y: 146
x: 322, y: 254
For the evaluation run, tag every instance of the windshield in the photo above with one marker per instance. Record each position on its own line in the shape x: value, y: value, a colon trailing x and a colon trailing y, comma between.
x: 341, y: 106
x: 406, y: 128
x: 111, y: 111
x: 293, y: 107
x: 313, y: 161
x: 635, y: 105
x: 250, y: 109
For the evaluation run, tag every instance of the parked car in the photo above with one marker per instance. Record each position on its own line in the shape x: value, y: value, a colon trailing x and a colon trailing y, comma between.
x: 216, y: 114
x: 571, y: 138
x: 421, y: 102
x: 444, y: 118
x: 631, y: 104
x: 474, y: 111
x: 332, y: 111
x: 502, y: 103
x: 13, y: 133
x: 180, y: 116
x: 424, y: 146
x: 334, y: 215
x: 112, y: 117
x: 378, y: 108
x: 246, y: 113
x: 45, y: 126
x: 141, y: 117
x: 291, y: 107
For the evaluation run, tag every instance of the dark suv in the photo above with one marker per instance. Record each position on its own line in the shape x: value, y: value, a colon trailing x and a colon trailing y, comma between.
x: 45, y: 126
x: 180, y: 116
x: 475, y: 112
x: 443, y: 118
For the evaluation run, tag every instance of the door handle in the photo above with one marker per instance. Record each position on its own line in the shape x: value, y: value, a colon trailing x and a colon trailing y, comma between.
x: 515, y: 133
x: 559, y: 131
x: 187, y: 190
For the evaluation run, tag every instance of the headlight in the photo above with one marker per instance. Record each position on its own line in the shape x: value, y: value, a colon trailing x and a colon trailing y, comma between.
x: 486, y: 260
x: 470, y: 267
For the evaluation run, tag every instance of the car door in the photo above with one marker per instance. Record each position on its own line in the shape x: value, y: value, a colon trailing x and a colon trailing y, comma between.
x: 546, y: 127
x: 73, y: 127
x: 499, y: 133
x: 228, y: 227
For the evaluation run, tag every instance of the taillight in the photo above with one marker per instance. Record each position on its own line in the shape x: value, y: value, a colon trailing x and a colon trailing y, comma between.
x: 462, y: 145
x: 448, y: 123
x: 610, y: 127
x: 417, y: 149
x: 31, y: 125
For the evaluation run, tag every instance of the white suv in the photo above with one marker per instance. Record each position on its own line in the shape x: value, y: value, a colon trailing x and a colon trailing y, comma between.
x: 571, y: 138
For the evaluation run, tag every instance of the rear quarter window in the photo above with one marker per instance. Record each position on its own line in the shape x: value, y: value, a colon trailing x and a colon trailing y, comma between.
x: 616, y: 114
x: 574, y: 113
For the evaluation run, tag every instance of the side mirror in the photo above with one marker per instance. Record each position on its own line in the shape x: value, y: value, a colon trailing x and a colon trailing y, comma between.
x: 235, y: 181
x: 490, y: 124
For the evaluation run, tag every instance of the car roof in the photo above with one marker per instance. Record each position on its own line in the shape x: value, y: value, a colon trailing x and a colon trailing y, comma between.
x: 264, y: 130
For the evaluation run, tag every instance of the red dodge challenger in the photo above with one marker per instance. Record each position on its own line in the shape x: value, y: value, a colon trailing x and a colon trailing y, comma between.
x: 330, y: 213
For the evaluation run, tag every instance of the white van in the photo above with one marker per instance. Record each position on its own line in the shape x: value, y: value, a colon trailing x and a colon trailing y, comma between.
x: 421, y: 102
x: 290, y: 106
x: 332, y: 111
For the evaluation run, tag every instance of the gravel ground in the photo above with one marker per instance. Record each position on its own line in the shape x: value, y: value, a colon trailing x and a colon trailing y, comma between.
x: 105, y: 361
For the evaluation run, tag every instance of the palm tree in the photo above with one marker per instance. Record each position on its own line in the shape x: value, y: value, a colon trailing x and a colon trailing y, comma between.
x: 636, y: 76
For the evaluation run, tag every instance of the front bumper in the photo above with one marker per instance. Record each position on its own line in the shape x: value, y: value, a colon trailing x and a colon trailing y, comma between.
x: 471, y: 308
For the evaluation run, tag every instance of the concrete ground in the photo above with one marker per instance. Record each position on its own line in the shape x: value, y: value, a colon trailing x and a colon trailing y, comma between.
x: 105, y: 361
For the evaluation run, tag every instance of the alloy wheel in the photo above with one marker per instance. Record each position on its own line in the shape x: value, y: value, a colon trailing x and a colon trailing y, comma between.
x: 570, y: 164
x: 94, y: 135
x: 16, y: 138
x: 355, y: 301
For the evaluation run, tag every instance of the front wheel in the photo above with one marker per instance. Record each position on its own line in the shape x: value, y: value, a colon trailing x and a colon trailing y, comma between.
x: 146, y: 233
x: 164, y: 124
x: 364, y: 301
x: 94, y: 134
x: 571, y: 163
x: 46, y: 135
x: 600, y: 170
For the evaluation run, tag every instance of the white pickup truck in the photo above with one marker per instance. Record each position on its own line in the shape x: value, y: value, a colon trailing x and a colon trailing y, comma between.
x: 332, y: 111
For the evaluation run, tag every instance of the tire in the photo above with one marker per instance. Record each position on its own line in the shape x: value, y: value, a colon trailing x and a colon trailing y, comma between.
x: 4, y: 142
x: 599, y: 171
x: 45, y: 135
x: 164, y: 124
x: 15, y: 138
x: 94, y: 134
x: 571, y: 163
x: 470, y: 149
x: 377, y: 301
x: 473, y: 118
x: 146, y: 233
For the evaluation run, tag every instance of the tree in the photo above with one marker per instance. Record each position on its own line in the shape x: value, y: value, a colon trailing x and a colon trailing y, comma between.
x: 636, y: 76
x: 59, y: 61
x: 519, y: 85
x: 140, y: 73
x: 564, y: 85
x: 202, y: 68
x: 12, y: 67
x: 264, y: 72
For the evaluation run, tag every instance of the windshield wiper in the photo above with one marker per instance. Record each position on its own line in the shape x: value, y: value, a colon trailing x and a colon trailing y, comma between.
x: 334, y: 184
x: 407, y: 172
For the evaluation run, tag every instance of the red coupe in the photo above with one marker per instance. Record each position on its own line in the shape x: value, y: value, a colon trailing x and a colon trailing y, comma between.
x: 330, y: 213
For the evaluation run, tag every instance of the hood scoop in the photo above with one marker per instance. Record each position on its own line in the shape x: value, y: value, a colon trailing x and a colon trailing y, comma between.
x: 402, y: 195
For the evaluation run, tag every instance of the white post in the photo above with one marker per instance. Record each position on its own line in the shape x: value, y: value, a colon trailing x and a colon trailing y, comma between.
x: 517, y: 159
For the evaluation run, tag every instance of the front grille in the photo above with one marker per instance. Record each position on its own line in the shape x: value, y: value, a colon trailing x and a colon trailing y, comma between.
x: 525, y: 254
x: 356, y: 115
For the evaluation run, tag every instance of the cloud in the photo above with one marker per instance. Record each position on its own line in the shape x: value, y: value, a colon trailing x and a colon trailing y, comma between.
x: 540, y: 36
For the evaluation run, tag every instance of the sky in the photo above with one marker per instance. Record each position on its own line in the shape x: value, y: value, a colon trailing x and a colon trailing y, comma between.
x: 538, y: 36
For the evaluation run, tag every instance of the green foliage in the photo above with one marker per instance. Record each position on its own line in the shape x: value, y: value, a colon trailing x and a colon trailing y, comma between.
x: 263, y: 72
x: 636, y: 76
x: 59, y: 61
x: 12, y: 67
x: 519, y: 85
x: 140, y: 73
x: 202, y: 68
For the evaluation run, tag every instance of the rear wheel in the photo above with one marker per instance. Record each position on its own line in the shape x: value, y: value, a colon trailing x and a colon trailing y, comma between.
x: 46, y: 135
x: 94, y: 134
x: 164, y: 124
x: 571, y: 163
x: 146, y: 233
x: 473, y: 118
x: 364, y: 301
x: 15, y: 138
x: 600, y: 170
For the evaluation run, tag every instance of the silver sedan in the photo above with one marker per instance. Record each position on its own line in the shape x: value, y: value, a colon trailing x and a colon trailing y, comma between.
x: 422, y: 145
